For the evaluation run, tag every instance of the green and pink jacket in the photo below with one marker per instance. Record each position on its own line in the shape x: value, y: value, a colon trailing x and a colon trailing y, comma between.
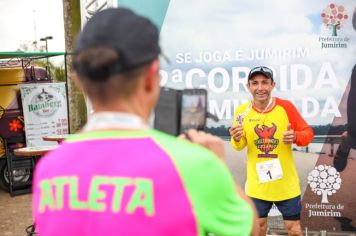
x: 135, y: 183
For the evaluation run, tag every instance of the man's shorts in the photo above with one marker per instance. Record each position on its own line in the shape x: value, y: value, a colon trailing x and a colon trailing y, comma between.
x: 289, y: 208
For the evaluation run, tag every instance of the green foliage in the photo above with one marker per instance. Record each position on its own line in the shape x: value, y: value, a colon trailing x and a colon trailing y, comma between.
x: 30, y: 46
x: 328, y: 129
x: 218, y: 131
x: 82, y: 109
x: 57, y: 72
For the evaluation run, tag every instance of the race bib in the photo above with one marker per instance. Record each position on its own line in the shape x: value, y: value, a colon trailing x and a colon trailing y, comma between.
x: 269, y: 171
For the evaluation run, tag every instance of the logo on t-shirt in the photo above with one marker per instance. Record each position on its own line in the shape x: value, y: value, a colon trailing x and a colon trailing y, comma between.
x: 266, y: 142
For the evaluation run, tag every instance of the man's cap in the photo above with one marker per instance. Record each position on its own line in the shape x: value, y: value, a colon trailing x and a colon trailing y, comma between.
x: 262, y: 70
x: 133, y: 37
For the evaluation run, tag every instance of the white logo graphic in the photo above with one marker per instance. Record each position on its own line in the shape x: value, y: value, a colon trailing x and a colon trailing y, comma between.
x: 325, y: 181
x: 44, y: 104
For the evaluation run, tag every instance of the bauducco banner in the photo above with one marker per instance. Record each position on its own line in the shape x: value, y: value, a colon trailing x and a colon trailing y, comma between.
x: 45, y: 111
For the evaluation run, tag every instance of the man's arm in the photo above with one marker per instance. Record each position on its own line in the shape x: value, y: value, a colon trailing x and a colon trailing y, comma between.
x: 209, y: 141
x: 216, y: 145
x: 256, y: 227
x: 237, y: 137
x: 303, y: 134
x: 221, y: 206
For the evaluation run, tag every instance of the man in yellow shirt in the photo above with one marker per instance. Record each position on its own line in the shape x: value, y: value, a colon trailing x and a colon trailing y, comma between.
x: 268, y: 126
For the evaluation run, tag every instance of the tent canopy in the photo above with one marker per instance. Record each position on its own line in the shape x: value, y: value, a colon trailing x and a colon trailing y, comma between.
x: 30, y: 55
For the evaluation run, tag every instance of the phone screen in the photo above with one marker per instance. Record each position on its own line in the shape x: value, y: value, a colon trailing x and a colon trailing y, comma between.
x: 193, y: 112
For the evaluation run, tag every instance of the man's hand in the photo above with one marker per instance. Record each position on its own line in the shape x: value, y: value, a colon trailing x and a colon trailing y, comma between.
x: 289, y: 136
x: 211, y: 142
x: 237, y: 132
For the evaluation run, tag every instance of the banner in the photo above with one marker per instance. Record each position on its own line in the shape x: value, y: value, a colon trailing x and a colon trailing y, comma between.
x: 45, y: 111
x: 310, y: 45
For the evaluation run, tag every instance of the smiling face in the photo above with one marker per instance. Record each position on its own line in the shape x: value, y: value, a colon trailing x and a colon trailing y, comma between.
x: 261, y: 88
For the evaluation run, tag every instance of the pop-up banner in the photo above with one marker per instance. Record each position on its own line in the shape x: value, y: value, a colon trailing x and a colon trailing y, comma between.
x: 310, y: 46
x: 45, y: 111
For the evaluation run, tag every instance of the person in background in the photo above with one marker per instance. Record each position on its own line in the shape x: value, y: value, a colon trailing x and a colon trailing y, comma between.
x: 268, y: 126
x: 118, y: 176
x: 349, y: 137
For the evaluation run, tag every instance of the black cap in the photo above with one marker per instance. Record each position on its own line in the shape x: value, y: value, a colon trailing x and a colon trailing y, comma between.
x: 133, y: 37
x: 262, y: 70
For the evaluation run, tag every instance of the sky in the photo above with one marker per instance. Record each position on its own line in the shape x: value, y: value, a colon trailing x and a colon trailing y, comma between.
x: 203, y: 26
x: 25, y: 21
x: 233, y: 25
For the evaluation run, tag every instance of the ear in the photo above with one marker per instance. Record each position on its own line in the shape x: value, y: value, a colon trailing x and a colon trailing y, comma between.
x: 152, y: 76
x: 248, y: 86
x: 273, y: 83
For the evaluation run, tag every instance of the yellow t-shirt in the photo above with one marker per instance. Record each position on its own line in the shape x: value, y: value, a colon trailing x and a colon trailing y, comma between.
x: 264, y: 141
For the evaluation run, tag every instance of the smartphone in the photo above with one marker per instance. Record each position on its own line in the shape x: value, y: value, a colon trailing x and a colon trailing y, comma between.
x: 193, y: 112
x: 167, y: 111
x: 180, y: 110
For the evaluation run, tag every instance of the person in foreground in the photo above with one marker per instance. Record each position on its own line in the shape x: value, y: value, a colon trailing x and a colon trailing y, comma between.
x: 118, y: 176
x: 268, y: 126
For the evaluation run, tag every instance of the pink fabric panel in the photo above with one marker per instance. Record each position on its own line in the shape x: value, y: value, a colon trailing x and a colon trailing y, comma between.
x: 116, y: 158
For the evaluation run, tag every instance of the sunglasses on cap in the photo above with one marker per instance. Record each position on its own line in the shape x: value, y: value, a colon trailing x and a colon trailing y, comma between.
x: 261, y: 70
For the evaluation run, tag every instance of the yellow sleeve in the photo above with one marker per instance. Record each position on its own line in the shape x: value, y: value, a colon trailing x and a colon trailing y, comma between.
x: 238, y: 145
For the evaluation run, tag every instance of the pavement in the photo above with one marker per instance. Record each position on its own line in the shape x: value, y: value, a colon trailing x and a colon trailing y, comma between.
x: 15, y: 212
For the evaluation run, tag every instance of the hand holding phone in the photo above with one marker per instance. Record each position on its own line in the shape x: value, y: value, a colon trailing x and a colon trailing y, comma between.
x: 193, y: 110
x: 180, y: 110
x: 211, y: 142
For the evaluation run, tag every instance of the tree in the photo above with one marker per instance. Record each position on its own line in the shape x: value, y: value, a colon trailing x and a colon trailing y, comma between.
x: 324, y: 180
x: 29, y: 46
x: 77, y: 105
x: 334, y: 17
x: 56, y: 72
x: 221, y: 131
